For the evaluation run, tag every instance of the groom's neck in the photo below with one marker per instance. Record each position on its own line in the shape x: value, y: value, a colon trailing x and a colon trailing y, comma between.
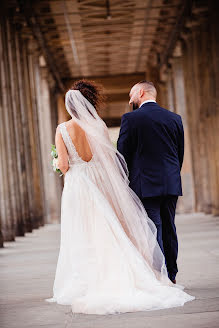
x: 146, y: 99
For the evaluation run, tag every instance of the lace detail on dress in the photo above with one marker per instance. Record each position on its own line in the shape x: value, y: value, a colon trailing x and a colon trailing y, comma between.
x: 73, y: 155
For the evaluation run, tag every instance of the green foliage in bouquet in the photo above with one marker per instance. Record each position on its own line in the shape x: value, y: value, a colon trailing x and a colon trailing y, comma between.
x: 54, y: 161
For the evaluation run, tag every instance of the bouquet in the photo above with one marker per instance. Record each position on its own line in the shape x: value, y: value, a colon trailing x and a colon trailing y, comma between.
x: 54, y: 162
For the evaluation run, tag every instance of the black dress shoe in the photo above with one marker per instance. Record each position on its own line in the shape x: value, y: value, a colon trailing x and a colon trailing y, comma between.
x: 173, y: 281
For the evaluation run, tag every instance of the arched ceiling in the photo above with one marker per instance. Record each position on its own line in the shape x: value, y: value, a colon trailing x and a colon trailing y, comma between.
x: 102, y: 38
x: 114, y: 42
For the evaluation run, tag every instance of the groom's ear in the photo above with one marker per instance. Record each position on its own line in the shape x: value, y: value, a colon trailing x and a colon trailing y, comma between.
x: 141, y: 92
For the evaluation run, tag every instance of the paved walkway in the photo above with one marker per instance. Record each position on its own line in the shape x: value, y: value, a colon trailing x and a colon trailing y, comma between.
x: 27, y: 269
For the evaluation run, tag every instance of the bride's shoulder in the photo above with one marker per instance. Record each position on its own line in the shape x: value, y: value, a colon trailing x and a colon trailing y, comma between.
x: 71, y: 123
x: 59, y: 126
x: 68, y: 123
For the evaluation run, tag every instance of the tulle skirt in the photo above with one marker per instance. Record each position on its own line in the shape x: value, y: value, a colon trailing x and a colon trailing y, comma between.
x: 99, y: 270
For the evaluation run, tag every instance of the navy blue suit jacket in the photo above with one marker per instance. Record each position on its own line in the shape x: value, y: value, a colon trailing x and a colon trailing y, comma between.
x: 152, y: 141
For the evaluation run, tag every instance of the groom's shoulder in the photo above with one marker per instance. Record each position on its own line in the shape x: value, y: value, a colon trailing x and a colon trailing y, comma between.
x: 131, y: 115
x: 171, y: 114
x: 127, y: 116
x: 142, y: 114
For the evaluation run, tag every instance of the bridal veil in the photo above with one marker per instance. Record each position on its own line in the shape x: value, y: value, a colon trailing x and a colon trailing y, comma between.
x: 129, y: 210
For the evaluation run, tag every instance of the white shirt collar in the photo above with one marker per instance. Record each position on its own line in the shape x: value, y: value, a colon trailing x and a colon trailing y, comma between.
x: 149, y: 100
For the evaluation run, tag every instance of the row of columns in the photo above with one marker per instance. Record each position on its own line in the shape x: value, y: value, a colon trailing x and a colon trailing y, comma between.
x: 188, y: 84
x: 29, y: 190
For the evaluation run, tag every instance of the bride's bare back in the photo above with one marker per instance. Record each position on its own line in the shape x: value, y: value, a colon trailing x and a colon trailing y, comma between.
x: 79, y: 140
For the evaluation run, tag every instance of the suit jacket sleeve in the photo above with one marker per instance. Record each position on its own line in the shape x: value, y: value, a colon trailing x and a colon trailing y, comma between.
x: 181, y: 143
x: 124, y: 141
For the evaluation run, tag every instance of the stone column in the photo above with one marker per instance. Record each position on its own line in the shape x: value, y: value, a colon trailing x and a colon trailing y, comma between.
x: 208, y: 85
x: 22, y: 221
x: 195, y: 123
x: 201, y: 107
x: 4, y: 201
x: 27, y: 160
x: 213, y: 38
x: 9, y: 194
x: 186, y: 203
x: 202, y: 81
x: 37, y: 208
x: 52, y: 196
x: 208, y: 115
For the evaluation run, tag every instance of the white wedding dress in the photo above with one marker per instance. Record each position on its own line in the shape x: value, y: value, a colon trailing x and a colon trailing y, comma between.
x: 99, y: 270
x: 109, y: 260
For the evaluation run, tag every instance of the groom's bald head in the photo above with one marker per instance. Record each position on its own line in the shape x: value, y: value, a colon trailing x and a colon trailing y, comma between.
x: 141, y: 91
x: 148, y: 87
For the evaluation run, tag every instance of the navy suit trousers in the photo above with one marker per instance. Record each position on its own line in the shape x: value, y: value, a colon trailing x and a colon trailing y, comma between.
x: 161, y: 210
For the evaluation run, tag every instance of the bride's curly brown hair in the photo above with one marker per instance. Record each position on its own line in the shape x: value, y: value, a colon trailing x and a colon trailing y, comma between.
x: 92, y: 91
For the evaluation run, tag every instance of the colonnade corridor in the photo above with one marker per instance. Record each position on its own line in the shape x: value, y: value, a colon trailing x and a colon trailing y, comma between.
x: 28, y: 268
x: 47, y: 45
x: 44, y: 49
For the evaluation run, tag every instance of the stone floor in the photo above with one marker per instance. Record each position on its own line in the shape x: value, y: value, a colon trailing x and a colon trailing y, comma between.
x: 27, y: 269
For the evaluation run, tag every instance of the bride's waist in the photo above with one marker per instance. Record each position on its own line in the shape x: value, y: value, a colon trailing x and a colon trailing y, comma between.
x: 81, y: 169
x: 83, y: 164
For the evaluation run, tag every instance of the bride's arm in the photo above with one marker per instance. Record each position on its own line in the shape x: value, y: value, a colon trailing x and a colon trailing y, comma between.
x: 62, y: 152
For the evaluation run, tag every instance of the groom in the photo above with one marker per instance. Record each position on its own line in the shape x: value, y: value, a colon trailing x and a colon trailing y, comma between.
x: 152, y: 142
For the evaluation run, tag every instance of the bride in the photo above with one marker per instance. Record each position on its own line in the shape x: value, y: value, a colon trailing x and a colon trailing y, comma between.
x: 109, y: 258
